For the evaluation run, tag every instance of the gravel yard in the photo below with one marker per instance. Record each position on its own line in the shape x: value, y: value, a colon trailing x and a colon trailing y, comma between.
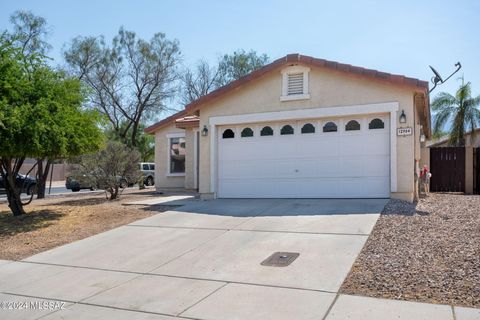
x: 58, y: 220
x: 429, y: 252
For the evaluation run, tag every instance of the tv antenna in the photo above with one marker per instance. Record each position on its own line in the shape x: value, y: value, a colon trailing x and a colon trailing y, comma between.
x: 437, y: 79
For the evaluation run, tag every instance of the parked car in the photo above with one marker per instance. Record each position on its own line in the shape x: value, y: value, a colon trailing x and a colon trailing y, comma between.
x: 26, y: 183
x: 148, y: 171
x: 76, y: 183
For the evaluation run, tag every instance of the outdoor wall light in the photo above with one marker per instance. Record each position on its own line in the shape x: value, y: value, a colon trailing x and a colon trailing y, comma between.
x: 205, y: 131
x: 403, y: 117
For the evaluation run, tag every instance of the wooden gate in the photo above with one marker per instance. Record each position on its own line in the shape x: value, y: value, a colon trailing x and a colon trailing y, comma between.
x: 447, y: 165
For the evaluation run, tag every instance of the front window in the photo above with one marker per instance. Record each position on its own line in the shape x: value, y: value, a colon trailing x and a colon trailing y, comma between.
x: 177, y: 155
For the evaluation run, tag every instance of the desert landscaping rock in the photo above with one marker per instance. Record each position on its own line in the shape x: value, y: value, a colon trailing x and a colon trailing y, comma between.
x: 429, y: 252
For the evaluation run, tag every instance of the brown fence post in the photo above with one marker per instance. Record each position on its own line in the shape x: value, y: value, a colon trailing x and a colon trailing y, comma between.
x: 468, y: 170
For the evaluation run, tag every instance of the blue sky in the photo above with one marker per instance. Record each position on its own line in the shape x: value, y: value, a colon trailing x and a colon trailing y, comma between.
x: 401, y: 37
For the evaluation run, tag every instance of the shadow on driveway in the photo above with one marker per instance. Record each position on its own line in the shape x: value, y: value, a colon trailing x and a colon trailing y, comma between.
x: 281, y: 207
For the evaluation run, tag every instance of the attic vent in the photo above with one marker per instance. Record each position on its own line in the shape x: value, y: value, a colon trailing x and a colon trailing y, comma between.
x: 295, y: 83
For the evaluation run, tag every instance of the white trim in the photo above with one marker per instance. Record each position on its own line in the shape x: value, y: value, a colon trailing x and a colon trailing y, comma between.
x: 393, y: 150
x: 176, y: 135
x: 213, y: 159
x: 294, y: 69
x: 305, y: 113
x: 175, y: 175
x: 387, y: 107
x: 196, y: 138
x: 304, y: 96
x: 171, y: 136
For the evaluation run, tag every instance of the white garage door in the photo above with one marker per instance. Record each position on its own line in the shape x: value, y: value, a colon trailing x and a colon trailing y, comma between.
x: 323, y: 158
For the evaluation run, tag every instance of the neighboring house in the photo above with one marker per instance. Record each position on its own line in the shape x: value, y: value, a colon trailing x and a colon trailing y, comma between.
x: 443, y: 141
x: 299, y: 127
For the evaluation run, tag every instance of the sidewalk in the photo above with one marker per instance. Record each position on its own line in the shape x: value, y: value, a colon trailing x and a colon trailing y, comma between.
x: 365, y: 308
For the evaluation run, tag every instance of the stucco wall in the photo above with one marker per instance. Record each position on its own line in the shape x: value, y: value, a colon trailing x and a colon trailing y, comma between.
x: 468, y: 141
x: 189, y: 158
x: 327, y: 89
x: 425, y: 157
x: 162, y: 179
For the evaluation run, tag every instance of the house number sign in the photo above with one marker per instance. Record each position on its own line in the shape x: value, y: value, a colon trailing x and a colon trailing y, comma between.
x: 404, y: 131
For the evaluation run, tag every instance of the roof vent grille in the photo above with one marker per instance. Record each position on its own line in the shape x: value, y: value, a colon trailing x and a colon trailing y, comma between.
x: 295, y: 83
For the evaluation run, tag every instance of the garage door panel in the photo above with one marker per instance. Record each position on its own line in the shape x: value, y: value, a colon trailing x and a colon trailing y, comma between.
x: 320, y: 165
x: 311, y: 188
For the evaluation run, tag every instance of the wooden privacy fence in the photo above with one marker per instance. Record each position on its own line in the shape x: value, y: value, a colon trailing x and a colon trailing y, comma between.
x: 476, y: 170
x: 447, y: 165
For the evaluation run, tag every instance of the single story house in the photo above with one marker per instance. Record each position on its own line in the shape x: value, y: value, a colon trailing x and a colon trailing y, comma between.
x: 299, y: 127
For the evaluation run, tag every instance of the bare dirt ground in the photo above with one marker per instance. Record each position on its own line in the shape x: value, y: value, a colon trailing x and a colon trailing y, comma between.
x: 429, y: 252
x: 58, y: 220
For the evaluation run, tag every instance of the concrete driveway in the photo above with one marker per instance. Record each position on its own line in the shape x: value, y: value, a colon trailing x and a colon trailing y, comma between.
x: 201, y: 261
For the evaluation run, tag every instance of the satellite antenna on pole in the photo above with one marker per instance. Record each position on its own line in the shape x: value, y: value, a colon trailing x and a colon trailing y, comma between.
x: 437, y: 79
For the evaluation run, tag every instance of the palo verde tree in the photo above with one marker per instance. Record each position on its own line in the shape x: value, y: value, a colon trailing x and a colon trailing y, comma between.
x: 129, y: 80
x: 41, y: 116
x: 460, y: 112
x: 29, y: 33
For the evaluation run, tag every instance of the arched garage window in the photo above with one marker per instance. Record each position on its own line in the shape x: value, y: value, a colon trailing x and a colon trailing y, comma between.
x: 228, y: 134
x: 376, y: 124
x: 247, y: 132
x: 266, y: 131
x: 352, y: 125
x: 330, y: 127
x: 286, y: 129
x: 308, y: 128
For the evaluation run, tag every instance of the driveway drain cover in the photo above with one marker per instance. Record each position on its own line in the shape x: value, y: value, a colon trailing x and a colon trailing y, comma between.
x: 280, y: 259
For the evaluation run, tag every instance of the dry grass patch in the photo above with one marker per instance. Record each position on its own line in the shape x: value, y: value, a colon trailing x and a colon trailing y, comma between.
x: 428, y: 252
x: 59, y: 220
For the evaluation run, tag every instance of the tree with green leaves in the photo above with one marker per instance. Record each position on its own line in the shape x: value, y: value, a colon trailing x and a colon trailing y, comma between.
x: 145, y: 142
x: 28, y: 35
x: 204, y: 78
x: 41, y: 116
x: 239, y: 64
x: 130, y: 80
x: 459, y: 112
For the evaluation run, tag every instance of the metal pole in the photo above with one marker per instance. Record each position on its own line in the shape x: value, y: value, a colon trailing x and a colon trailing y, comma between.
x: 51, y: 175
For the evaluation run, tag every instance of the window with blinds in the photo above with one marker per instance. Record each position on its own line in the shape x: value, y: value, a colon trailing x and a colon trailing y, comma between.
x: 295, y: 83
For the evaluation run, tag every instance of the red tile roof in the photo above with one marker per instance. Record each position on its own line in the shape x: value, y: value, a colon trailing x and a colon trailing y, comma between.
x: 187, y: 122
x: 284, y: 61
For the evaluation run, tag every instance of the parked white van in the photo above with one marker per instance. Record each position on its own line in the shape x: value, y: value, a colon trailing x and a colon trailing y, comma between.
x: 148, y: 170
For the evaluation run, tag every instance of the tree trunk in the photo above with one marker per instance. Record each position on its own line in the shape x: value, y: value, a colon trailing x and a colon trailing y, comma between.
x: 14, y: 201
x: 134, y: 134
x: 114, y: 193
x: 42, y: 176
x: 9, y: 175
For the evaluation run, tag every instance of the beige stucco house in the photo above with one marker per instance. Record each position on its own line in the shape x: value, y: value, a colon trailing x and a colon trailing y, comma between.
x: 299, y: 127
